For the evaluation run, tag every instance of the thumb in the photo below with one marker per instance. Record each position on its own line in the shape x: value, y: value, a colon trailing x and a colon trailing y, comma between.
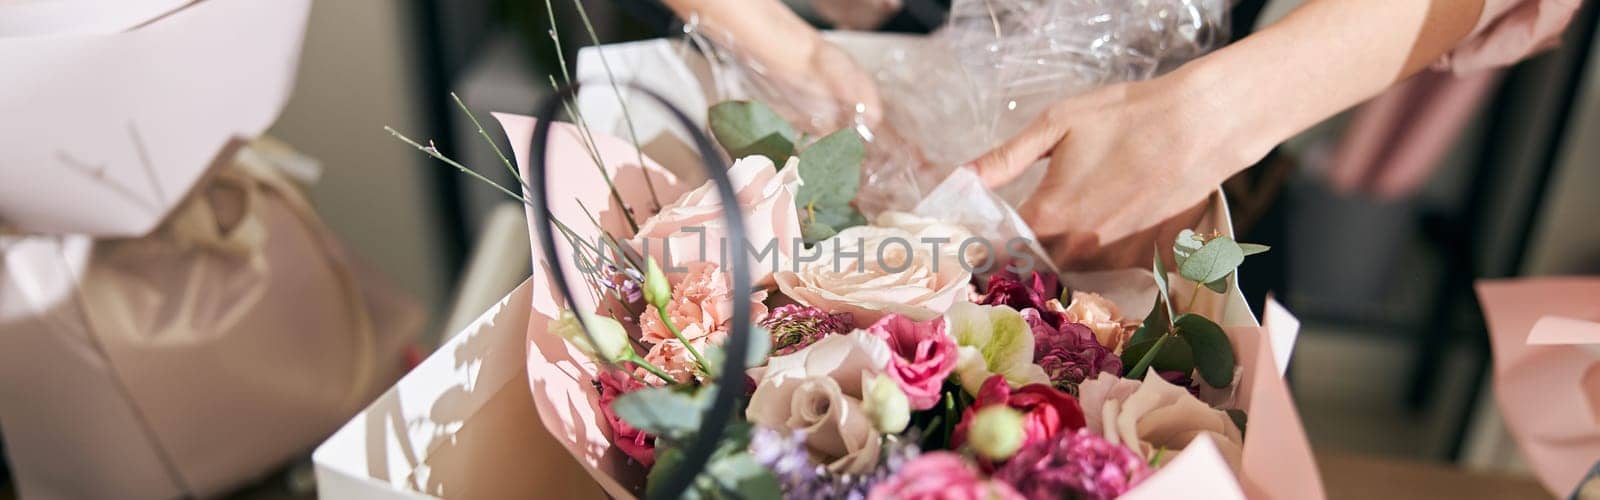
x: 1002, y: 164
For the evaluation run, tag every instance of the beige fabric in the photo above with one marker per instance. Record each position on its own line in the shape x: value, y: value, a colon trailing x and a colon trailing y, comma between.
x: 196, y: 358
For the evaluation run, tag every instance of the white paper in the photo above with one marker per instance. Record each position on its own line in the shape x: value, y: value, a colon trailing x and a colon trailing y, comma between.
x: 106, y: 133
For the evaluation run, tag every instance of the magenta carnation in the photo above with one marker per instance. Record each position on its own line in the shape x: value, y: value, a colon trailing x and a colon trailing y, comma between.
x: 794, y: 326
x: 1069, y: 354
x: 1024, y: 292
x: 924, y: 356
x: 634, y: 443
x: 1078, y: 464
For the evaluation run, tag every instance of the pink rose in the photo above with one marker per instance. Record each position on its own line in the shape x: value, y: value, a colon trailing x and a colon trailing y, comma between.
x: 924, y: 356
x: 940, y: 475
x: 691, y: 228
x: 1153, y: 415
x: 821, y: 390
x: 702, y: 309
x: 1046, y: 411
x: 634, y: 443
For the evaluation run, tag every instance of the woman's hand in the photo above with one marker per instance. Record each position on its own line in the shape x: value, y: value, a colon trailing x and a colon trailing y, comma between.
x: 1123, y: 158
x: 1126, y: 157
x: 819, y: 83
x: 828, y: 88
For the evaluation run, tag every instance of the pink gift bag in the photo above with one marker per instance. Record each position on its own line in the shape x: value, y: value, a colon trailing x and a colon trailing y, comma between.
x: 194, y: 359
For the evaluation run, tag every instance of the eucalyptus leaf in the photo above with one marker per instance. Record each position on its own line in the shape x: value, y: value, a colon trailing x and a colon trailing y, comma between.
x: 830, y: 170
x: 1219, y: 286
x: 760, y: 345
x: 748, y: 127
x: 839, y: 217
x: 1147, y: 334
x: 661, y: 411
x: 1186, y: 244
x: 741, y: 476
x: 1253, y: 248
x: 1212, y: 262
x: 1213, y: 352
x: 813, y: 232
x: 668, y: 459
x: 1175, y: 355
x: 1163, y: 301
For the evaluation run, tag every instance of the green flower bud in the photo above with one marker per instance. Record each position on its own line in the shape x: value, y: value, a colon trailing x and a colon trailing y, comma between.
x: 886, y: 404
x: 611, y: 337
x: 657, y: 291
x: 996, y: 432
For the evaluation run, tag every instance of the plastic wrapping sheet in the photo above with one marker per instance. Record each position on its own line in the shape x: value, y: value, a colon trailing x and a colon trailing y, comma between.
x: 958, y: 92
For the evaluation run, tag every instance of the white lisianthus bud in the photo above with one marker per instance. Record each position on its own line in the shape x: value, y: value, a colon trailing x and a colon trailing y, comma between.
x: 888, y: 406
x: 657, y: 291
x: 996, y: 432
x: 611, y: 337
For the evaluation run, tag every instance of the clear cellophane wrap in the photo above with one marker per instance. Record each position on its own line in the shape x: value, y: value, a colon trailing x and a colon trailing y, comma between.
x: 995, y: 64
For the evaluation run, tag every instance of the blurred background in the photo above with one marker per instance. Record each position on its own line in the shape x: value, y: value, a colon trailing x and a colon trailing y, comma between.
x: 1381, y: 277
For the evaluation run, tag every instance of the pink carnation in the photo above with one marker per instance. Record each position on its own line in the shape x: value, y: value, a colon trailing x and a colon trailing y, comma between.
x: 634, y: 443
x: 940, y: 475
x: 924, y: 356
x: 701, y: 308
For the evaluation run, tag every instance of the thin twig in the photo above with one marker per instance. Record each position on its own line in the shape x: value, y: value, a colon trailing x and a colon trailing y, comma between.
x: 434, y: 152
x: 497, y: 152
x: 626, y: 116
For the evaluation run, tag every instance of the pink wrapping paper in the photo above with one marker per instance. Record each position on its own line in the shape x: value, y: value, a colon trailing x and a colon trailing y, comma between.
x: 1545, y: 333
x: 1277, y: 461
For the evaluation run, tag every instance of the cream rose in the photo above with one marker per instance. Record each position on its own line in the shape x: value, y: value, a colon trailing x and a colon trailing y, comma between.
x: 821, y: 390
x: 871, y: 271
x: 1154, y: 415
x: 691, y: 228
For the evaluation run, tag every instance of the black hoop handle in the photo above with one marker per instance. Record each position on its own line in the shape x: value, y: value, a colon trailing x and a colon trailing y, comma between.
x: 731, y: 382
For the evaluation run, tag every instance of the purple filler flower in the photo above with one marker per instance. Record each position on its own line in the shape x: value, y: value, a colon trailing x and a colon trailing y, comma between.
x: 794, y: 326
x: 800, y: 477
x: 1069, y: 354
x: 1024, y: 292
x: 1078, y: 464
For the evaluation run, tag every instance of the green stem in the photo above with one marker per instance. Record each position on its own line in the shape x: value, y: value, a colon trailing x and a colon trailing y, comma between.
x: 1194, y: 294
x: 1149, y: 357
x: 640, y: 362
x: 662, y: 311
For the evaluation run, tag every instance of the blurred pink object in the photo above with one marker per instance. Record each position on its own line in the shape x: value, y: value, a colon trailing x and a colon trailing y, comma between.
x: 108, y: 130
x: 1396, y: 140
x: 1509, y: 31
x: 856, y: 14
x: 1546, y: 338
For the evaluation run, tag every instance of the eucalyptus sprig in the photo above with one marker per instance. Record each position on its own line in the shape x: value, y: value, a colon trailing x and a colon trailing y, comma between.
x: 1188, y: 342
x: 830, y: 168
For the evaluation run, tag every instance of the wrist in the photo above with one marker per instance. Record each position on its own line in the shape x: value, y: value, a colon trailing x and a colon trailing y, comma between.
x: 1230, y: 112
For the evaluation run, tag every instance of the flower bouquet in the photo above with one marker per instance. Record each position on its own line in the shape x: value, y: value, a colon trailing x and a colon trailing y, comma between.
x: 758, y: 335
x: 897, y: 357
